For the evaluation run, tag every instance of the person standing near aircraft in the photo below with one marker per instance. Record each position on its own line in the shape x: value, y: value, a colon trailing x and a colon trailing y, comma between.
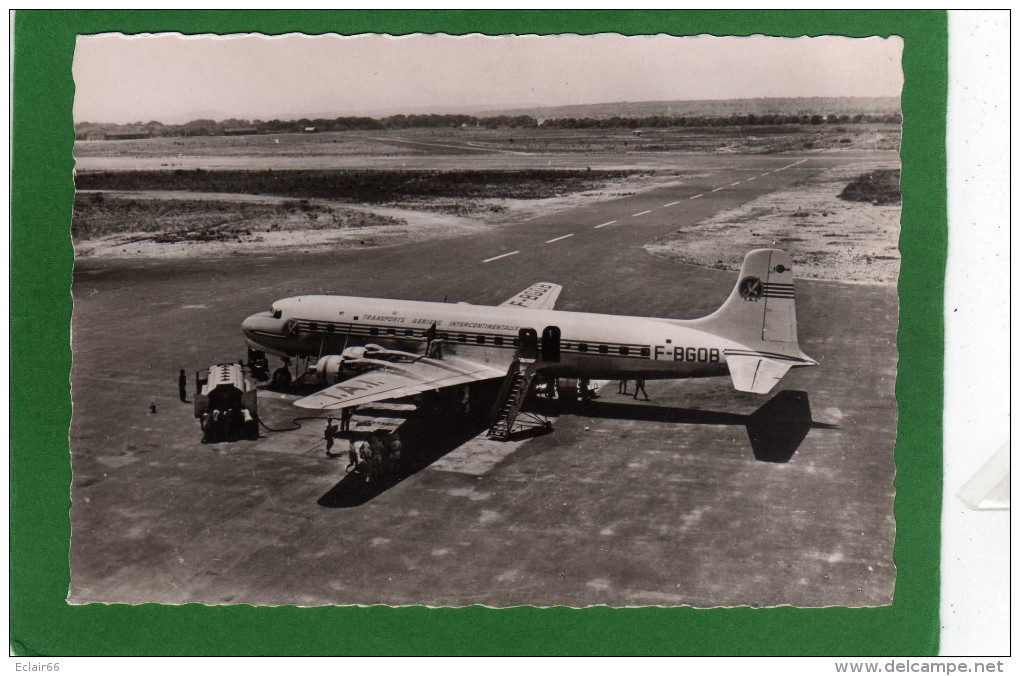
x: 182, y: 385
x: 329, y: 434
x: 375, y: 467
x: 622, y: 387
x: 366, y: 461
x: 584, y: 392
x: 345, y: 419
x: 396, y: 451
x: 639, y: 386
x: 352, y: 456
x: 432, y: 348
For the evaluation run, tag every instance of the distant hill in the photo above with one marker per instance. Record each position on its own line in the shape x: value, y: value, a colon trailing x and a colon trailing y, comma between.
x: 714, y: 108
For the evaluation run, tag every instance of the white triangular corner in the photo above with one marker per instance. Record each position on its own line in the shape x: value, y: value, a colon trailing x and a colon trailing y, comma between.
x: 989, y: 488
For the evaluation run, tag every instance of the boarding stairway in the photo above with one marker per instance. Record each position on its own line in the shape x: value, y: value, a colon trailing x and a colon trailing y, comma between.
x: 507, y: 418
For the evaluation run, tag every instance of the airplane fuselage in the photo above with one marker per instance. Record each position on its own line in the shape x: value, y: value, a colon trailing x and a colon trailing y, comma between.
x: 590, y: 345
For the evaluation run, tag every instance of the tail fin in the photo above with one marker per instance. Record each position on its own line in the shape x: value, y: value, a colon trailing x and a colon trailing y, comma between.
x: 761, y: 305
x: 760, y: 314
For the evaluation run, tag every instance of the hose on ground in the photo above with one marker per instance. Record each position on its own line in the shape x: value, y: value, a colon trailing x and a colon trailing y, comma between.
x: 294, y: 421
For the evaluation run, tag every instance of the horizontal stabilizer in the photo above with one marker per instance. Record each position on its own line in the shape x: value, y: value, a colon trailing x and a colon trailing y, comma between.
x: 756, y: 374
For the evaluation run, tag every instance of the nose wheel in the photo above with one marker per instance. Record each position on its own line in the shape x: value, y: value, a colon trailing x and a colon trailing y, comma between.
x: 282, y: 377
x: 291, y: 372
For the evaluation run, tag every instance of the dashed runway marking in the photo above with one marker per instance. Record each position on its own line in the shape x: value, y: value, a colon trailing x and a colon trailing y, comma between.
x: 697, y: 196
x: 792, y: 165
x: 496, y: 258
x: 671, y: 204
x: 736, y: 183
x: 718, y: 189
x: 556, y: 239
x: 641, y: 213
x: 766, y: 173
x: 751, y: 179
x: 604, y: 225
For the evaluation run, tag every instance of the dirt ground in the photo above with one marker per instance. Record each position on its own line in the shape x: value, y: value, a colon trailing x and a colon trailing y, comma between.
x: 832, y: 238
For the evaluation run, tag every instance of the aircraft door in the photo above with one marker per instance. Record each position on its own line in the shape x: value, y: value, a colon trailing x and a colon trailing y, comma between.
x: 529, y: 344
x: 551, y: 344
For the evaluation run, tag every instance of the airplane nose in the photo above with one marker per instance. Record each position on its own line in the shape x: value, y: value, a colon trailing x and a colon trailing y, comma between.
x: 255, y: 322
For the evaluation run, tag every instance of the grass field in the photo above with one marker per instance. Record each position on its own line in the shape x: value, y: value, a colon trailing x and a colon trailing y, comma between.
x: 96, y: 216
x: 423, y: 142
x: 370, y: 187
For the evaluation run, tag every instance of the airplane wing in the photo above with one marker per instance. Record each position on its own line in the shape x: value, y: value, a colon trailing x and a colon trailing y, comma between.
x: 538, y: 296
x: 755, y: 374
x: 397, y: 380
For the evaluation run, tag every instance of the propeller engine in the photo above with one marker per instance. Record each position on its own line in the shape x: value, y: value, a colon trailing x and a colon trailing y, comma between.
x: 333, y: 368
x: 330, y: 369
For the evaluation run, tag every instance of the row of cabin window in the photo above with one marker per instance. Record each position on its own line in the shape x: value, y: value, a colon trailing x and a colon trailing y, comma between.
x: 496, y: 340
x: 622, y: 350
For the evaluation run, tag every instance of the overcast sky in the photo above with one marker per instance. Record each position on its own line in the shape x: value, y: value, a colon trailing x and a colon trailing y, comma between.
x: 174, y: 78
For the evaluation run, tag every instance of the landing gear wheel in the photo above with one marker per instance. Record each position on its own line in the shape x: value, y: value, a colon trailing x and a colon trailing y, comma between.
x: 281, y: 377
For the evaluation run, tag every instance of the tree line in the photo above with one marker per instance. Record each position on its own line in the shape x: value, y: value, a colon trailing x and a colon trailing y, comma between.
x: 660, y: 121
x: 208, y: 127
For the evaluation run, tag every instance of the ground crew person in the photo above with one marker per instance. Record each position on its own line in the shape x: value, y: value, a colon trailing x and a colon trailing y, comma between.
x: 345, y: 419
x: 375, y: 467
x: 432, y: 348
x: 583, y: 393
x: 396, y: 448
x: 182, y: 385
x: 639, y: 386
x: 366, y: 461
x: 352, y: 456
x: 622, y: 387
x: 328, y: 434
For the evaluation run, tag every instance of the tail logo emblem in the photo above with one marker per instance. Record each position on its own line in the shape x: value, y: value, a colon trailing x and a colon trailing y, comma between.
x: 751, y: 288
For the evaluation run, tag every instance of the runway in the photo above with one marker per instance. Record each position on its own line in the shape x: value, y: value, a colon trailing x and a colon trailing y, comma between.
x: 623, y: 504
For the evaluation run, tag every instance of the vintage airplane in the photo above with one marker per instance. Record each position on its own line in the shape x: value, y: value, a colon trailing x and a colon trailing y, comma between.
x: 396, y: 348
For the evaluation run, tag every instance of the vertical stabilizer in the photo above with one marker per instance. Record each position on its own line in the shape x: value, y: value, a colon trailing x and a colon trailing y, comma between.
x: 761, y: 305
x: 760, y: 315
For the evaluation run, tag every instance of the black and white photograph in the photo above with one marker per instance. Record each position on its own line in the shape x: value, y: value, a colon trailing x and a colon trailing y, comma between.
x: 565, y: 320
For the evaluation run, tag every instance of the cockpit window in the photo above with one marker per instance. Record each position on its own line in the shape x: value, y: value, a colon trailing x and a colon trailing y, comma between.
x: 277, y: 314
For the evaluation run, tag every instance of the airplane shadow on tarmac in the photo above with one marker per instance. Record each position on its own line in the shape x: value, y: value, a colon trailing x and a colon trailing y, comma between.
x: 776, y: 429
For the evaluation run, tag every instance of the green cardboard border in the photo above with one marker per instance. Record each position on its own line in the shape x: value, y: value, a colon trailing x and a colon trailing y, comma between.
x: 41, y: 259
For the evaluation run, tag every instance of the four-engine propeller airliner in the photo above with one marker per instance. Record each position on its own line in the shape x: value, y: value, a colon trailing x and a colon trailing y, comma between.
x: 399, y: 348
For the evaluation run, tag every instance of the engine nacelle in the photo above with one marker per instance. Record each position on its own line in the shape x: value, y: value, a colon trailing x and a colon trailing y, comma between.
x: 334, y: 368
x: 331, y: 369
x: 356, y: 352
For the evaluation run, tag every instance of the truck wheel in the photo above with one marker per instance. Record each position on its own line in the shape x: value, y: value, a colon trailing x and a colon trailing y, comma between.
x: 281, y: 377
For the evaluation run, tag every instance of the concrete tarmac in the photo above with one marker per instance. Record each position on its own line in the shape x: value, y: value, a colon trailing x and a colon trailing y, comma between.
x: 625, y: 503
